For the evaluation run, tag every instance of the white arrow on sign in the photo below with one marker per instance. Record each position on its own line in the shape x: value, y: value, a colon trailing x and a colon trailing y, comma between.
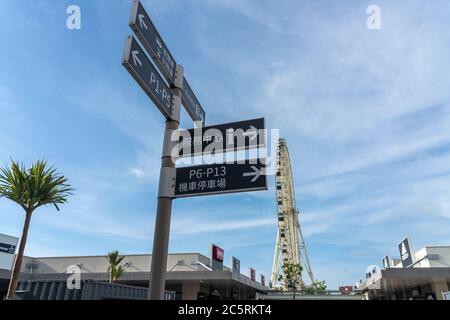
x: 136, y: 60
x: 253, y: 132
x: 141, y: 21
x: 256, y: 173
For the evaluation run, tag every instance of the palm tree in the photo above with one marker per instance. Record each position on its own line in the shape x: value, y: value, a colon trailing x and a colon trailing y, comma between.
x: 31, y: 188
x: 115, y: 270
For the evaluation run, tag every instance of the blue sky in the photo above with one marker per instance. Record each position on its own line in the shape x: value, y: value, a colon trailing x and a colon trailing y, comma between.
x: 366, y: 114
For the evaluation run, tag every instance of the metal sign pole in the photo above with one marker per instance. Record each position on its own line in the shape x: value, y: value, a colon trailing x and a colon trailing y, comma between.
x: 165, y: 196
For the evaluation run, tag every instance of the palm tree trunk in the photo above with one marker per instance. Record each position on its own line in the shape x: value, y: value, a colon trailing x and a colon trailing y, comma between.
x: 18, y: 261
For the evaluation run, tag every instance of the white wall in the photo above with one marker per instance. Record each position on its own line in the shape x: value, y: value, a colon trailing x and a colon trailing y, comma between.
x: 421, y: 254
x: 99, y: 264
x: 444, y: 256
x: 442, y: 251
x: 6, y: 261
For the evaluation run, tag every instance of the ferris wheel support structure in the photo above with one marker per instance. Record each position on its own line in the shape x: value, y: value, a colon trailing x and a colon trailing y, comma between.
x: 290, y: 246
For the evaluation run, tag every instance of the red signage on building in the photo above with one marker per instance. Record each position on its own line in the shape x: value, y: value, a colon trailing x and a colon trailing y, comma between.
x: 346, y: 289
x: 217, y: 253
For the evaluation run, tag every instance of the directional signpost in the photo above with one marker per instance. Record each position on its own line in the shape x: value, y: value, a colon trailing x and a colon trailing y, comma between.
x: 146, y: 32
x: 168, y: 92
x: 219, y: 178
x: 235, y: 136
x: 142, y: 70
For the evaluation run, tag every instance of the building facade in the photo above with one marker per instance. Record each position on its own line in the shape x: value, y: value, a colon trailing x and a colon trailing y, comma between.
x: 189, y: 275
x: 420, y: 275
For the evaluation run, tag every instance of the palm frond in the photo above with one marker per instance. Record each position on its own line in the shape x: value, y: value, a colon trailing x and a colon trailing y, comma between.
x: 119, y: 272
x: 37, y: 186
x: 114, y: 270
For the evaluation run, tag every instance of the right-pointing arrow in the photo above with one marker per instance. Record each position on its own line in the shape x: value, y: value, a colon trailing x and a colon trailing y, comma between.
x: 256, y: 173
x: 136, y: 60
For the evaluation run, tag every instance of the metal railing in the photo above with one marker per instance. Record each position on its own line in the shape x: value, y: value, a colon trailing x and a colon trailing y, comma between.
x: 88, y: 290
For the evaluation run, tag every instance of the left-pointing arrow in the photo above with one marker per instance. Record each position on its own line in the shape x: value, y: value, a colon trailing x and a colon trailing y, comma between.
x: 136, y: 60
x: 142, y: 22
x: 256, y: 173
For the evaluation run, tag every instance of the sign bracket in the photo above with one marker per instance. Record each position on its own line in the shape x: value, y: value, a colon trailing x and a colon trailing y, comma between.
x: 178, y: 82
x: 166, y: 188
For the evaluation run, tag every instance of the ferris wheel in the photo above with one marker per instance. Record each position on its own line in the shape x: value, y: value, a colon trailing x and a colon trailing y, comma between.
x: 290, y: 246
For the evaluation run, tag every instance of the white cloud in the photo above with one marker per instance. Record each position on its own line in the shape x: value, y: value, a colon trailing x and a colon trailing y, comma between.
x: 366, y: 115
x: 137, y: 172
x: 196, y: 226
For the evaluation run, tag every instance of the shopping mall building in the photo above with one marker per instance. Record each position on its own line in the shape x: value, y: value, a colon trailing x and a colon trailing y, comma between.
x: 420, y: 275
x: 189, y: 276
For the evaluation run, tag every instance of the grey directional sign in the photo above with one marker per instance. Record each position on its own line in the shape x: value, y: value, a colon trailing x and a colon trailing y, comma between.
x: 146, y: 32
x: 219, y: 178
x: 234, y: 136
x: 150, y: 38
x: 142, y: 70
x: 190, y: 102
